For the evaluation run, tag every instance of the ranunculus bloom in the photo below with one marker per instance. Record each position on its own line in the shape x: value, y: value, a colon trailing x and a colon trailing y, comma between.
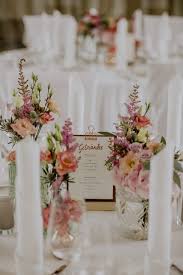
x: 52, y: 106
x: 46, y: 118
x: 66, y: 163
x: 128, y: 163
x: 142, y: 121
x: 23, y: 127
x: 46, y: 156
x: 11, y: 156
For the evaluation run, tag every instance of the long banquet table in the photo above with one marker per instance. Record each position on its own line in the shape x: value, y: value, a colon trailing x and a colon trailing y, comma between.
x: 134, y: 250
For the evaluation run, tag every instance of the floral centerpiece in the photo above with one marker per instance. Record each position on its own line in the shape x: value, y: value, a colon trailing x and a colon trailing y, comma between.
x: 131, y: 150
x: 58, y: 162
x: 28, y: 115
x: 89, y: 23
x: 96, y: 33
x: 30, y: 111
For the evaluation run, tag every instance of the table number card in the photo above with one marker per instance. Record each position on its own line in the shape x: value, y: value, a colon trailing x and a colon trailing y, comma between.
x: 96, y: 181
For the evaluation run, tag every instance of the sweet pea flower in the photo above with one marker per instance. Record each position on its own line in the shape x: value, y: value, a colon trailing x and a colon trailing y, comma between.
x: 23, y: 127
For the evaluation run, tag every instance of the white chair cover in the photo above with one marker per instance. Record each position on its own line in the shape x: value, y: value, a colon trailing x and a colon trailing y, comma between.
x: 152, y: 37
x: 108, y: 95
x: 160, y: 76
x: 157, y: 34
x: 76, y: 103
x: 33, y: 32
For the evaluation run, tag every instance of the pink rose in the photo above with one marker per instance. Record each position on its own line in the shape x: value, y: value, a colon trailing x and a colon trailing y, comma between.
x: 142, y: 121
x: 23, y: 127
x: 66, y: 163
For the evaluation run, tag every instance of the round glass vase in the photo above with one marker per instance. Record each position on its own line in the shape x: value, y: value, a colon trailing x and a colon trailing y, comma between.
x: 65, y: 224
x: 87, y: 48
x: 132, y: 213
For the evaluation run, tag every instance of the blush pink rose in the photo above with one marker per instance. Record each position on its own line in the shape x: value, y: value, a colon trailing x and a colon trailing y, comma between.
x: 142, y: 121
x: 23, y: 127
x: 66, y: 163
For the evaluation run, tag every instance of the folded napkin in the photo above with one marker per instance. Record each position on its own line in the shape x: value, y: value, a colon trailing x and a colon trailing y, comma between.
x: 178, y: 262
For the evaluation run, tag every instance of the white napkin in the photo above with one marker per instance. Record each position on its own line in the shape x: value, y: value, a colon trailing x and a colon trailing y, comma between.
x: 174, y: 117
x: 157, y: 260
x: 121, y: 44
x: 70, y: 42
x: 29, y: 250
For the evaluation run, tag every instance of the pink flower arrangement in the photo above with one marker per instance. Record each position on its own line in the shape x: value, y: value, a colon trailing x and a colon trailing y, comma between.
x: 133, y: 147
x: 29, y: 112
x: 58, y: 162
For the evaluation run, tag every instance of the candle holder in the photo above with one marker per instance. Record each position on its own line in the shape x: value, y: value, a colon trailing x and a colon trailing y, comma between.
x: 6, y: 213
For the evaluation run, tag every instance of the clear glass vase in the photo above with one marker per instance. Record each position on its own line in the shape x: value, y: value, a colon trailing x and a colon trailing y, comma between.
x: 65, y: 224
x: 132, y: 213
x: 87, y: 48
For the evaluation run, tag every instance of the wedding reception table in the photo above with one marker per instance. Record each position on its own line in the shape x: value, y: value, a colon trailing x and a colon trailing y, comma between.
x: 134, y: 250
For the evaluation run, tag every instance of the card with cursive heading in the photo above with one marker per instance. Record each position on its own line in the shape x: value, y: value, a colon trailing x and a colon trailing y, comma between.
x: 96, y: 181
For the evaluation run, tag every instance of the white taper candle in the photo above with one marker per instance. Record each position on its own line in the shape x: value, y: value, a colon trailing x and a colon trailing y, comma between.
x: 29, y: 249
x: 174, y: 117
x: 121, y: 44
x: 157, y: 259
x: 70, y: 42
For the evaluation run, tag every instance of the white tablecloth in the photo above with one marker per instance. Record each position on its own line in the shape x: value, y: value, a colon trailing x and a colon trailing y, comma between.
x: 129, y: 248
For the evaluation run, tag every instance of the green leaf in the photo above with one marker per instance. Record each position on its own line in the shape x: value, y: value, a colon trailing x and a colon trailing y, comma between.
x: 107, y: 134
x: 163, y: 140
x: 177, y: 166
x: 147, y: 165
x: 176, y: 179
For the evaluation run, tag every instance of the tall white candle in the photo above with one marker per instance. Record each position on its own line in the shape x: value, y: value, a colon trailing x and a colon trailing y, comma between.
x: 138, y: 25
x: 157, y: 260
x: 164, y: 37
x: 29, y: 249
x: 121, y: 44
x: 70, y: 42
x: 174, y: 117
